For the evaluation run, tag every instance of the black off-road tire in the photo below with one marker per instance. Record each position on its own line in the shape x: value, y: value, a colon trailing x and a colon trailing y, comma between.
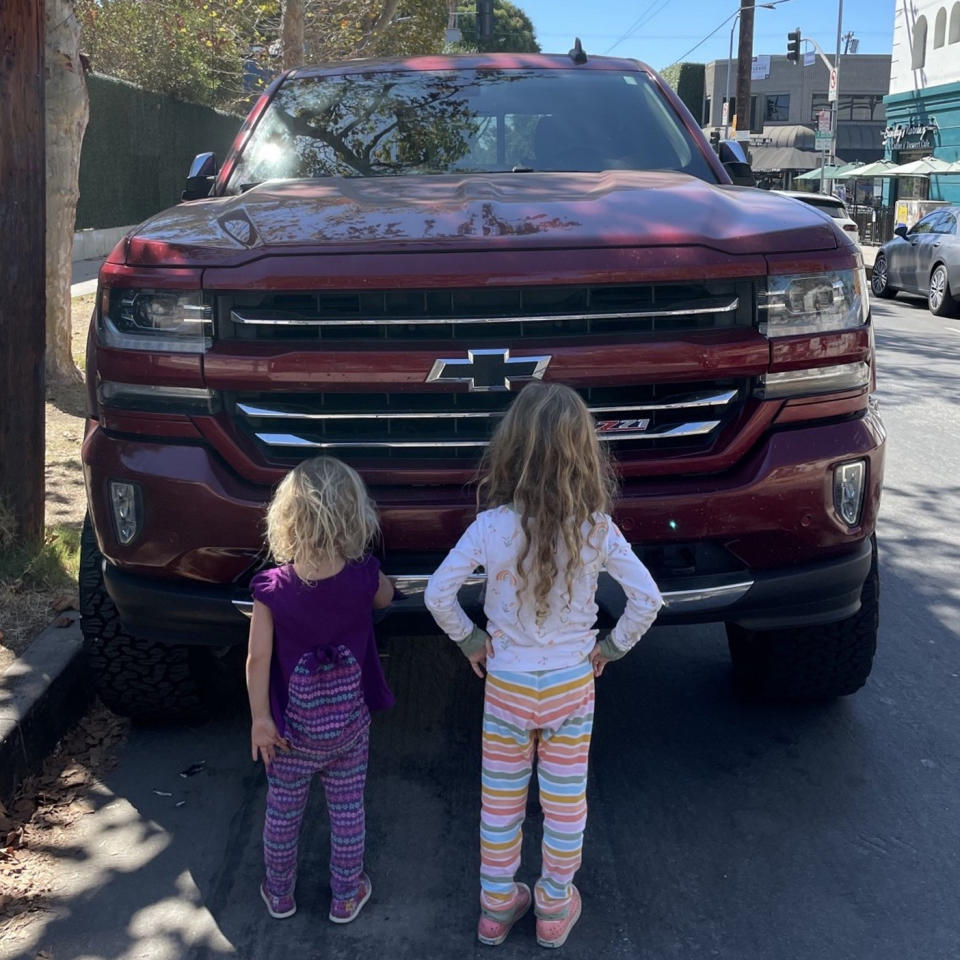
x: 879, y: 285
x: 809, y: 663
x: 149, y: 681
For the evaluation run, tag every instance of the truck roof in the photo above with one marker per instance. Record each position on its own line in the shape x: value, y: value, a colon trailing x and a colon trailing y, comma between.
x: 473, y: 61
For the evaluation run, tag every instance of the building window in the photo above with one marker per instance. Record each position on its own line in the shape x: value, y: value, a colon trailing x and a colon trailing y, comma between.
x: 955, y: 24
x: 864, y: 107
x: 940, y: 28
x: 707, y: 112
x: 778, y: 108
x: 919, y: 44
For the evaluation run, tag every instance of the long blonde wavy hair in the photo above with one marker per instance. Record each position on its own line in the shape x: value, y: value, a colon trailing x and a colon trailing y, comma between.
x: 321, y: 511
x: 545, y: 461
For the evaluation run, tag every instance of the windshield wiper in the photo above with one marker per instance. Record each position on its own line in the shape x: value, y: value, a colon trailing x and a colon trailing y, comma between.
x: 520, y: 168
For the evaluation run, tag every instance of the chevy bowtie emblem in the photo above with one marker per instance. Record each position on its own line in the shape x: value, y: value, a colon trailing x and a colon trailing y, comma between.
x: 488, y: 369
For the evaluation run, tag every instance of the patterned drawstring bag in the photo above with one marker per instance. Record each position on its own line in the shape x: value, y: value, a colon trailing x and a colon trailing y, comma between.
x: 326, y: 712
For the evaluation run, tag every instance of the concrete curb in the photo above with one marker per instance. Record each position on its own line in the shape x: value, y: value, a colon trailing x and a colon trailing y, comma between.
x: 41, y: 694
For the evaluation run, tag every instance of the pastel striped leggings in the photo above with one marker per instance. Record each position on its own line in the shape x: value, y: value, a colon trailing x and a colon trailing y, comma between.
x: 288, y: 783
x: 552, y: 710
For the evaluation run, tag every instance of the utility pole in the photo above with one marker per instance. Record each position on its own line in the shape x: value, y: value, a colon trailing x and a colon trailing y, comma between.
x: 834, y: 111
x: 744, y: 69
x: 22, y: 253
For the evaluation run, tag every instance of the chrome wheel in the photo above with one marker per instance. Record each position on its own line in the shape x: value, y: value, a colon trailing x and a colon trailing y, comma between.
x: 940, y: 298
x: 938, y: 288
x: 878, y: 278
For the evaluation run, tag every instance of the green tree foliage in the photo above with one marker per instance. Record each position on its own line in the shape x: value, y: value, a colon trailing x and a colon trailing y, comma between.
x: 513, y: 30
x: 214, y: 51
x: 688, y: 81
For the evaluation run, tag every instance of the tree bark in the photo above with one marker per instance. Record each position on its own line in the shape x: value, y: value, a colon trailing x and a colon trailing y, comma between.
x: 291, y: 33
x: 68, y: 109
x: 22, y: 256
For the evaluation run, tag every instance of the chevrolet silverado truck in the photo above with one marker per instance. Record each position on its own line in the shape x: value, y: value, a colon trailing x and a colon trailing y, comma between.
x: 388, y: 251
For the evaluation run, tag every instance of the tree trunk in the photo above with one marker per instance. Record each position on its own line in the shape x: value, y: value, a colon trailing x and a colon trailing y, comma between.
x: 68, y: 108
x: 21, y: 254
x: 291, y: 33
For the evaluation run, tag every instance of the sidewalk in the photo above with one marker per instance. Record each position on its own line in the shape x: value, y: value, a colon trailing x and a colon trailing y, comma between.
x: 84, y: 278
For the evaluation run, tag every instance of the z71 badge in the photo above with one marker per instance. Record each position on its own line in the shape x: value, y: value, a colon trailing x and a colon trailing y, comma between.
x: 622, y: 426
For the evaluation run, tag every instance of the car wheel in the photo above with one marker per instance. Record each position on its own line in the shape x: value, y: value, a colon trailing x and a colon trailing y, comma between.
x: 139, y: 678
x: 879, y: 279
x: 940, y: 298
x: 809, y: 663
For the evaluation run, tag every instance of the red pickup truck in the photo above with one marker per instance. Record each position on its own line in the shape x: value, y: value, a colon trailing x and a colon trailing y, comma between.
x: 392, y: 247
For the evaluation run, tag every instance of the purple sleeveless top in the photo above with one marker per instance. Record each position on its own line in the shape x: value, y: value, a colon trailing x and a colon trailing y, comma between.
x: 337, y: 610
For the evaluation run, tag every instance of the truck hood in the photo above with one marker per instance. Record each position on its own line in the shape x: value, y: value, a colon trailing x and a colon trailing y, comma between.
x: 491, y: 211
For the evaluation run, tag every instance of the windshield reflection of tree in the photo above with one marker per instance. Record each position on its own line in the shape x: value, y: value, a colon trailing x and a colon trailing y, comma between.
x: 380, y: 126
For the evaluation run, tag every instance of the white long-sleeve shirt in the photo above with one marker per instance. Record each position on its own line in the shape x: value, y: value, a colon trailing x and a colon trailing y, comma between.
x: 565, y: 637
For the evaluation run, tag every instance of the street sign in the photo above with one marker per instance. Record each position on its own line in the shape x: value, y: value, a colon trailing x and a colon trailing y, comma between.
x: 725, y: 114
x: 760, y: 68
x: 810, y: 58
x: 823, y: 121
x: 823, y: 140
x: 832, y: 90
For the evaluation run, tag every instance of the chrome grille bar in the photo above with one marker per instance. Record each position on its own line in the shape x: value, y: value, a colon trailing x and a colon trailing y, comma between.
x: 254, y: 317
x: 696, y: 429
x: 286, y: 413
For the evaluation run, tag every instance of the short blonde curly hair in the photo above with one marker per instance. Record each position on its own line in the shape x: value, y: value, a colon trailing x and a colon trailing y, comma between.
x: 321, y: 510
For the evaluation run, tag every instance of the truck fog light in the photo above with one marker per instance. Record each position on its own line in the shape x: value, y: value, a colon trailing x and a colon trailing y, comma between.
x: 848, y: 485
x: 126, y: 510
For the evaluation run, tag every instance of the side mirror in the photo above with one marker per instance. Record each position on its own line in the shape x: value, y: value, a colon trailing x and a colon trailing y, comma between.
x: 734, y: 160
x: 900, y: 230
x: 203, y: 171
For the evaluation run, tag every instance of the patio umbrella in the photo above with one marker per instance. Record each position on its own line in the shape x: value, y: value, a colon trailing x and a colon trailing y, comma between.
x: 829, y: 173
x: 922, y: 168
x: 879, y: 168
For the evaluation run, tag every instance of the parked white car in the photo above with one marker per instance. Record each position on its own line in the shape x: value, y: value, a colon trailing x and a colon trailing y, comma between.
x: 832, y: 206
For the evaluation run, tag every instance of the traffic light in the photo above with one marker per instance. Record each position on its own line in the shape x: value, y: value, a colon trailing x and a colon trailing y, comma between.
x: 715, y: 140
x: 484, y: 19
x: 793, y: 46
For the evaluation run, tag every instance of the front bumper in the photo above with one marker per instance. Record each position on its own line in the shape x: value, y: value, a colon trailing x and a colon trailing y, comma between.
x: 812, y: 594
x: 768, y: 548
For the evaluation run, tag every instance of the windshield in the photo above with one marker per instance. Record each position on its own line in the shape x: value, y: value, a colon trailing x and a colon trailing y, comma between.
x: 464, y: 122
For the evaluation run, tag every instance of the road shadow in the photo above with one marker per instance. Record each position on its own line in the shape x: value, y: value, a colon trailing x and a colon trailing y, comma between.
x: 718, y: 827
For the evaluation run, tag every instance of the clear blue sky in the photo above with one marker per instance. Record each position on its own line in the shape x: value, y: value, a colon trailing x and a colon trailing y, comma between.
x: 668, y: 28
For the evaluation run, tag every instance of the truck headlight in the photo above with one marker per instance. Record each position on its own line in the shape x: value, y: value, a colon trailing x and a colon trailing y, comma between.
x: 171, y: 320
x: 821, y: 303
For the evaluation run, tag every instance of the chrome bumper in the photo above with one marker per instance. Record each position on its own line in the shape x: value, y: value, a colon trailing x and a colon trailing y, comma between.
x: 687, y: 601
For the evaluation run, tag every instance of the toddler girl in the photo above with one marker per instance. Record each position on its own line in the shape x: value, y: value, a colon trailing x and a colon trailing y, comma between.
x: 313, y: 674
x: 543, y: 541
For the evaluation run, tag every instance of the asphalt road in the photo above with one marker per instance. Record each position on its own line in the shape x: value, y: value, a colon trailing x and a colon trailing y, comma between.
x: 718, y: 829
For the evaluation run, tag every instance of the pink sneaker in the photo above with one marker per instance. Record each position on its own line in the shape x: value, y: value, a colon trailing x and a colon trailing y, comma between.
x: 553, y: 930
x: 343, y: 911
x: 278, y: 907
x: 493, y: 930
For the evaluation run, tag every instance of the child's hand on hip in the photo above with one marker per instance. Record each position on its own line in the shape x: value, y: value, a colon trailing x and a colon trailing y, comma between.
x: 605, y: 651
x: 477, y: 647
x: 265, y: 739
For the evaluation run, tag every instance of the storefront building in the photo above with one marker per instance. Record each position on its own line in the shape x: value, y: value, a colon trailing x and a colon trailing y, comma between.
x: 923, y: 106
x: 786, y: 102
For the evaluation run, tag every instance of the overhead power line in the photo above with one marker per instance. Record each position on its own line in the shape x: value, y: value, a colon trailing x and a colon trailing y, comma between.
x: 648, y: 14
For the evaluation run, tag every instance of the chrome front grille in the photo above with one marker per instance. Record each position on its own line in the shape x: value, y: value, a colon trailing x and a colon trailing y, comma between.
x: 634, y: 419
x: 485, y: 313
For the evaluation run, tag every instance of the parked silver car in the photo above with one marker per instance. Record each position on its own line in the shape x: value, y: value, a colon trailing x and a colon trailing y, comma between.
x: 924, y: 259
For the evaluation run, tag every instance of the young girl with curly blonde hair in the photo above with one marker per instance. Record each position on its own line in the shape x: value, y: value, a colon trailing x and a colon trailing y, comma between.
x: 313, y: 674
x: 545, y: 537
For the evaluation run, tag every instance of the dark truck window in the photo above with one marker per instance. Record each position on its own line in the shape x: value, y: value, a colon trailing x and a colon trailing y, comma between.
x: 417, y: 123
